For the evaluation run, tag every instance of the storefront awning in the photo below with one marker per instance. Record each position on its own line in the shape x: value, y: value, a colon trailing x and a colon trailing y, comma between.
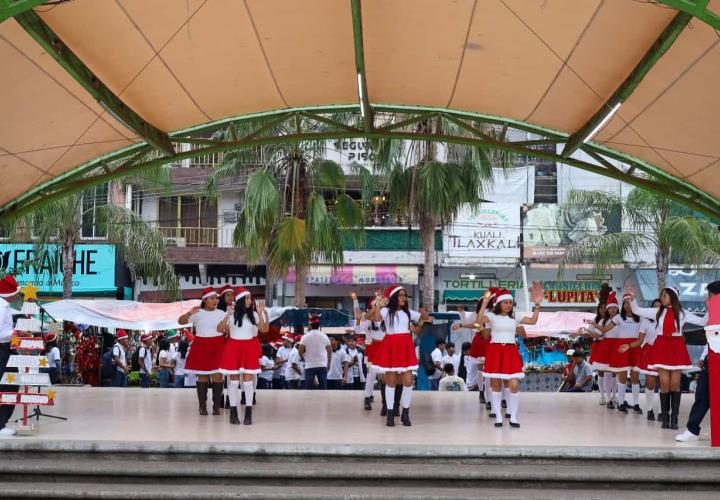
x: 359, y: 275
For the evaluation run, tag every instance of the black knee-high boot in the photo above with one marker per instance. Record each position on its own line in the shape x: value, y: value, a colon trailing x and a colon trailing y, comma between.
x: 383, y: 412
x: 675, y: 407
x: 665, y: 409
x: 217, y: 396
x: 398, y: 395
x: 202, y: 391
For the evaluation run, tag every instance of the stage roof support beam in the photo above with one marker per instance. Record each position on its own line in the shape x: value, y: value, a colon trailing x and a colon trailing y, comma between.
x: 54, y: 46
x: 366, y: 111
x: 627, y: 87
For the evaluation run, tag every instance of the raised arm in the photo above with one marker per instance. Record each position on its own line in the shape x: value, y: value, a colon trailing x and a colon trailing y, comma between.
x: 185, y: 318
x: 538, y: 293
x: 645, y: 312
x: 264, y: 324
x: 481, y: 318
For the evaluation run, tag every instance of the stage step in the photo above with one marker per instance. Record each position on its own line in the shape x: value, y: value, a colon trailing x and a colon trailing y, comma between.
x: 58, y: 474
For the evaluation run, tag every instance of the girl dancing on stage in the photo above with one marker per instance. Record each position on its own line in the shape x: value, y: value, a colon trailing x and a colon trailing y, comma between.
x: 395, y: 357
x: 669, y: 355
x: 373, y: 338
x: 625, y: 355
x: 478, y: 349
x: 242, y: 352
x: 502, y: 357
x: 645, y: 341
x: 599, y: 355
x: 608, y: 329
x: 207, y: 348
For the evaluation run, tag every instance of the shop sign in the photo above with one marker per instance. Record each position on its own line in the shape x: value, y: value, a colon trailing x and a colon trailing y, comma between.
x: 571, y: 292
x: 481, y: 284
x: 493, y: 230
x: 93, y: 270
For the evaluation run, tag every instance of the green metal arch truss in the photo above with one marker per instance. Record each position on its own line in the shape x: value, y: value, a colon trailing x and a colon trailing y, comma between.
x: 141, y: 156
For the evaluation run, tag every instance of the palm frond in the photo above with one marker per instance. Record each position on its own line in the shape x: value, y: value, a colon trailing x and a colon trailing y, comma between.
x: 291, y: 246
x: 605, y: 250
x: 326, y: 175
x: 695, y: 241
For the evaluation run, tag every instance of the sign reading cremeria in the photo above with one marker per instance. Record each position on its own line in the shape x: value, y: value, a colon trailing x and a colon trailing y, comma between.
x: 571, y: 292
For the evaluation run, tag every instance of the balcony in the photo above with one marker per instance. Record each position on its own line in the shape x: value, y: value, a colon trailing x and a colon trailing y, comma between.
x: 197, y: 237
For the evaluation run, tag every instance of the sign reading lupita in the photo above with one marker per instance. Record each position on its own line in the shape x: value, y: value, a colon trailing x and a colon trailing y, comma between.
x: 493, y: 230
x: 571, y: 292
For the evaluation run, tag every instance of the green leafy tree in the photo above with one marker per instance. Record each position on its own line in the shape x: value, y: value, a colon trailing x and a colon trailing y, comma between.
x: 659, y: 224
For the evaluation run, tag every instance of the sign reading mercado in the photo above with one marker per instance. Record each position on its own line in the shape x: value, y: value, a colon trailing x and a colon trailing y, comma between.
x: 94, y: 269
x: 493, y: 230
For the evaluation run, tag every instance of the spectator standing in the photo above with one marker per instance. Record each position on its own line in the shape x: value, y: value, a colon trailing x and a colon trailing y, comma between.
x: 294, y: 371
x: 179, y: 357
x: 165, y: 363
x: 317, y: 353
x: 281, y: 359
x: 52, y: 353
x: 145, y: 359
x: 450, y: 381
x: 354, y: 376
x: 119, y: 355
x: 437, y: 357
x: 337, y: 365
x: 267, y: 365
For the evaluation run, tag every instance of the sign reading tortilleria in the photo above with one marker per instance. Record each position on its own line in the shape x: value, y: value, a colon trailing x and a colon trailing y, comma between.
x: 25, y: 379
x: 571, y: 292
x: 26, y: 398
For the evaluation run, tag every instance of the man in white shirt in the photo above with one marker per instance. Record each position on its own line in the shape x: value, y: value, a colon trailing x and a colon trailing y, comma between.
x: 437, y: 357
x: 119, y: 351
x: 8, y: 290
x: 294, y: 372
x: 281, y: 359
x: 337, y: 365
x: 354, y: 377
x: 145, y: 358
x: 451, y: 357
x: 451, y: 382
x: 317, y: 353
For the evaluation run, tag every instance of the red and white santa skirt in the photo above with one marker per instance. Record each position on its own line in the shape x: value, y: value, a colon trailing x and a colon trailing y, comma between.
x: 669, y: 353
x: 241, y: 356
x: 478, y: 348
x: 371, y: 350
x: 503, y: 361
x: 600, y: 355
x: 205, y: 355
x: 642, y: 365
x: 621, y: 362
x: 396, y: 353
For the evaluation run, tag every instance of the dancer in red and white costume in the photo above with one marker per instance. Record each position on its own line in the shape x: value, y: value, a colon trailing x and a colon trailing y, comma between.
x: 669, y: 355
x: 609, y: 331
x: 396, y: 357
x: 625, y: 355
x: 599, y: 355
x: 242, y: 352
x: 207, y: 348
x: 645, y: 341
x: 478, y: 348
x: 502, y: 358
x: 373, y: 338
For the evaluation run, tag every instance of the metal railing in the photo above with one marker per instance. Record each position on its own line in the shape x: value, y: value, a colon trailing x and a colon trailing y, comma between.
x: 191, y: 236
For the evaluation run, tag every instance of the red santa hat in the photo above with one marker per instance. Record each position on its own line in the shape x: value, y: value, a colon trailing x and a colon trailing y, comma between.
x: 8, y: 286
x: 612, y: 301
x: 121, y: 334
x: 146, y: 336
x: 288, y: 336
x: 298, y: 338
x: 392, y: 290
x: 502, y: 294
x: 240, y: 293
x: 51, y: 337
x: 208, y: 292
x: 224, y: 288
x: 371, y: 303
x: 627, y: 296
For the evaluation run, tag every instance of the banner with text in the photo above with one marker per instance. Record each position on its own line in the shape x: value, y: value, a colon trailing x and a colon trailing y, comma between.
x: 493, y: 230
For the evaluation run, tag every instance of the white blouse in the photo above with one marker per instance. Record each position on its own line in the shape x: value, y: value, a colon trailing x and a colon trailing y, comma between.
x: 206, y: 322
x: 502, y: 328
x: 400, y: 321
x: 627, y: 328
x: 247, y: 330
x: 685, y: 317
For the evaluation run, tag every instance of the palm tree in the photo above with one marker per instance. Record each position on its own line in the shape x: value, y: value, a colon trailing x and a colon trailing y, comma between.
x: 57, y: 226
x: 429, y: 192
x: 296, y: 208
x: 659, y: 224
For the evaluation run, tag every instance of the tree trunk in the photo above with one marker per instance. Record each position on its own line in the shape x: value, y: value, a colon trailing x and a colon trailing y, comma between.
x: 300, y: 276
x: 68, y: 262
x: 427, y: 236
x: 662, y: 256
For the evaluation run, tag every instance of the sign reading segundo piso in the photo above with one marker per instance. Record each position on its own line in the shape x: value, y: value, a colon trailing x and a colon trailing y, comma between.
x: 94, y: 268
x: 493, y: 230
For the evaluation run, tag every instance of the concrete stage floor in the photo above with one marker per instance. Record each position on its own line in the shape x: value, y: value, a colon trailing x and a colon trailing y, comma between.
x: 335, y: 422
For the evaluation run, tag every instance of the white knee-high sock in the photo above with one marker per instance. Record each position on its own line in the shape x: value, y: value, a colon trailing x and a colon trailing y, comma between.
x: 369, y: 383
x: 488, y: 389
x: 255, y: 377
x: 232, y: 389
x: 649, y: 399
x: 505, y: 392
x: 479, y: 380
x: 601, y: 385
x: 389, y: 397
x: 621, y: 388
x: 248, y: 389
x: 635, y: 394
x: 496, y: 398
x: 607, y: 382
x: 513, y: 402
x: 406, y: 396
